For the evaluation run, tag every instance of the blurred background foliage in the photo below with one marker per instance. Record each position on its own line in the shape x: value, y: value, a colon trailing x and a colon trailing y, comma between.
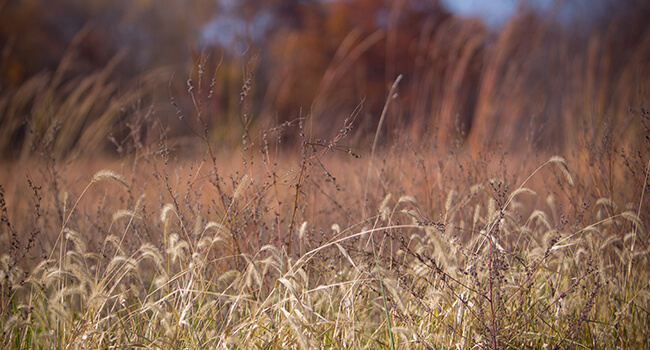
x: 88, y: 75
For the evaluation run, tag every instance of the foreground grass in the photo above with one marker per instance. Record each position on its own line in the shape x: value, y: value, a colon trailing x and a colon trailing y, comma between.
x: 304, y: 252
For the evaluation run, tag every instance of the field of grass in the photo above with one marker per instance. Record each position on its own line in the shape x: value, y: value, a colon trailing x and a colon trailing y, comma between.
x: 225, y: 226
x: 270, y: 247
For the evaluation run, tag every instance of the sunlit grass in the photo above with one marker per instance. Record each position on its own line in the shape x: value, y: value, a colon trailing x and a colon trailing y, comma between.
x: 157, y: 263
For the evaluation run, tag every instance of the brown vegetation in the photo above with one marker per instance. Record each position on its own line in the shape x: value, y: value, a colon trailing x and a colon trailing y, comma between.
x: 535, y: 84
x: 259, y: 202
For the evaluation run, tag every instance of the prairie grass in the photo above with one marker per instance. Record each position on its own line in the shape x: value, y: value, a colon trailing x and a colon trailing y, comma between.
x: 410, y: 244
x: 64, y: 113
x: 292, y: 249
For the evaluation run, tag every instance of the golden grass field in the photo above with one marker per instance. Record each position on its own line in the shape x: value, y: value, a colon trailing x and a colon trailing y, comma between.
x: 201, y: 217
x: 269, y: 247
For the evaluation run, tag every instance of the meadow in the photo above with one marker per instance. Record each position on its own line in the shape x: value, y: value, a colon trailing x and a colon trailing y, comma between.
x: 244, y: 231
x: 320, y: 248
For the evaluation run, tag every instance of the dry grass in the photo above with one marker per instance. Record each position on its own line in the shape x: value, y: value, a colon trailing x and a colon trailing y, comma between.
x: 451, y: 253
x: 414, y: 245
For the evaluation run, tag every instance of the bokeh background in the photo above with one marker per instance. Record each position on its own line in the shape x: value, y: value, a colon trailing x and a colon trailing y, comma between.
x: 97, y: 75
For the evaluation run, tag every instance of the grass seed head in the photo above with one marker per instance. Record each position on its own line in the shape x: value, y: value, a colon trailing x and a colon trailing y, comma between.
x: 125, y: 213
x: 562, y: 164
x: 111, y: 176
